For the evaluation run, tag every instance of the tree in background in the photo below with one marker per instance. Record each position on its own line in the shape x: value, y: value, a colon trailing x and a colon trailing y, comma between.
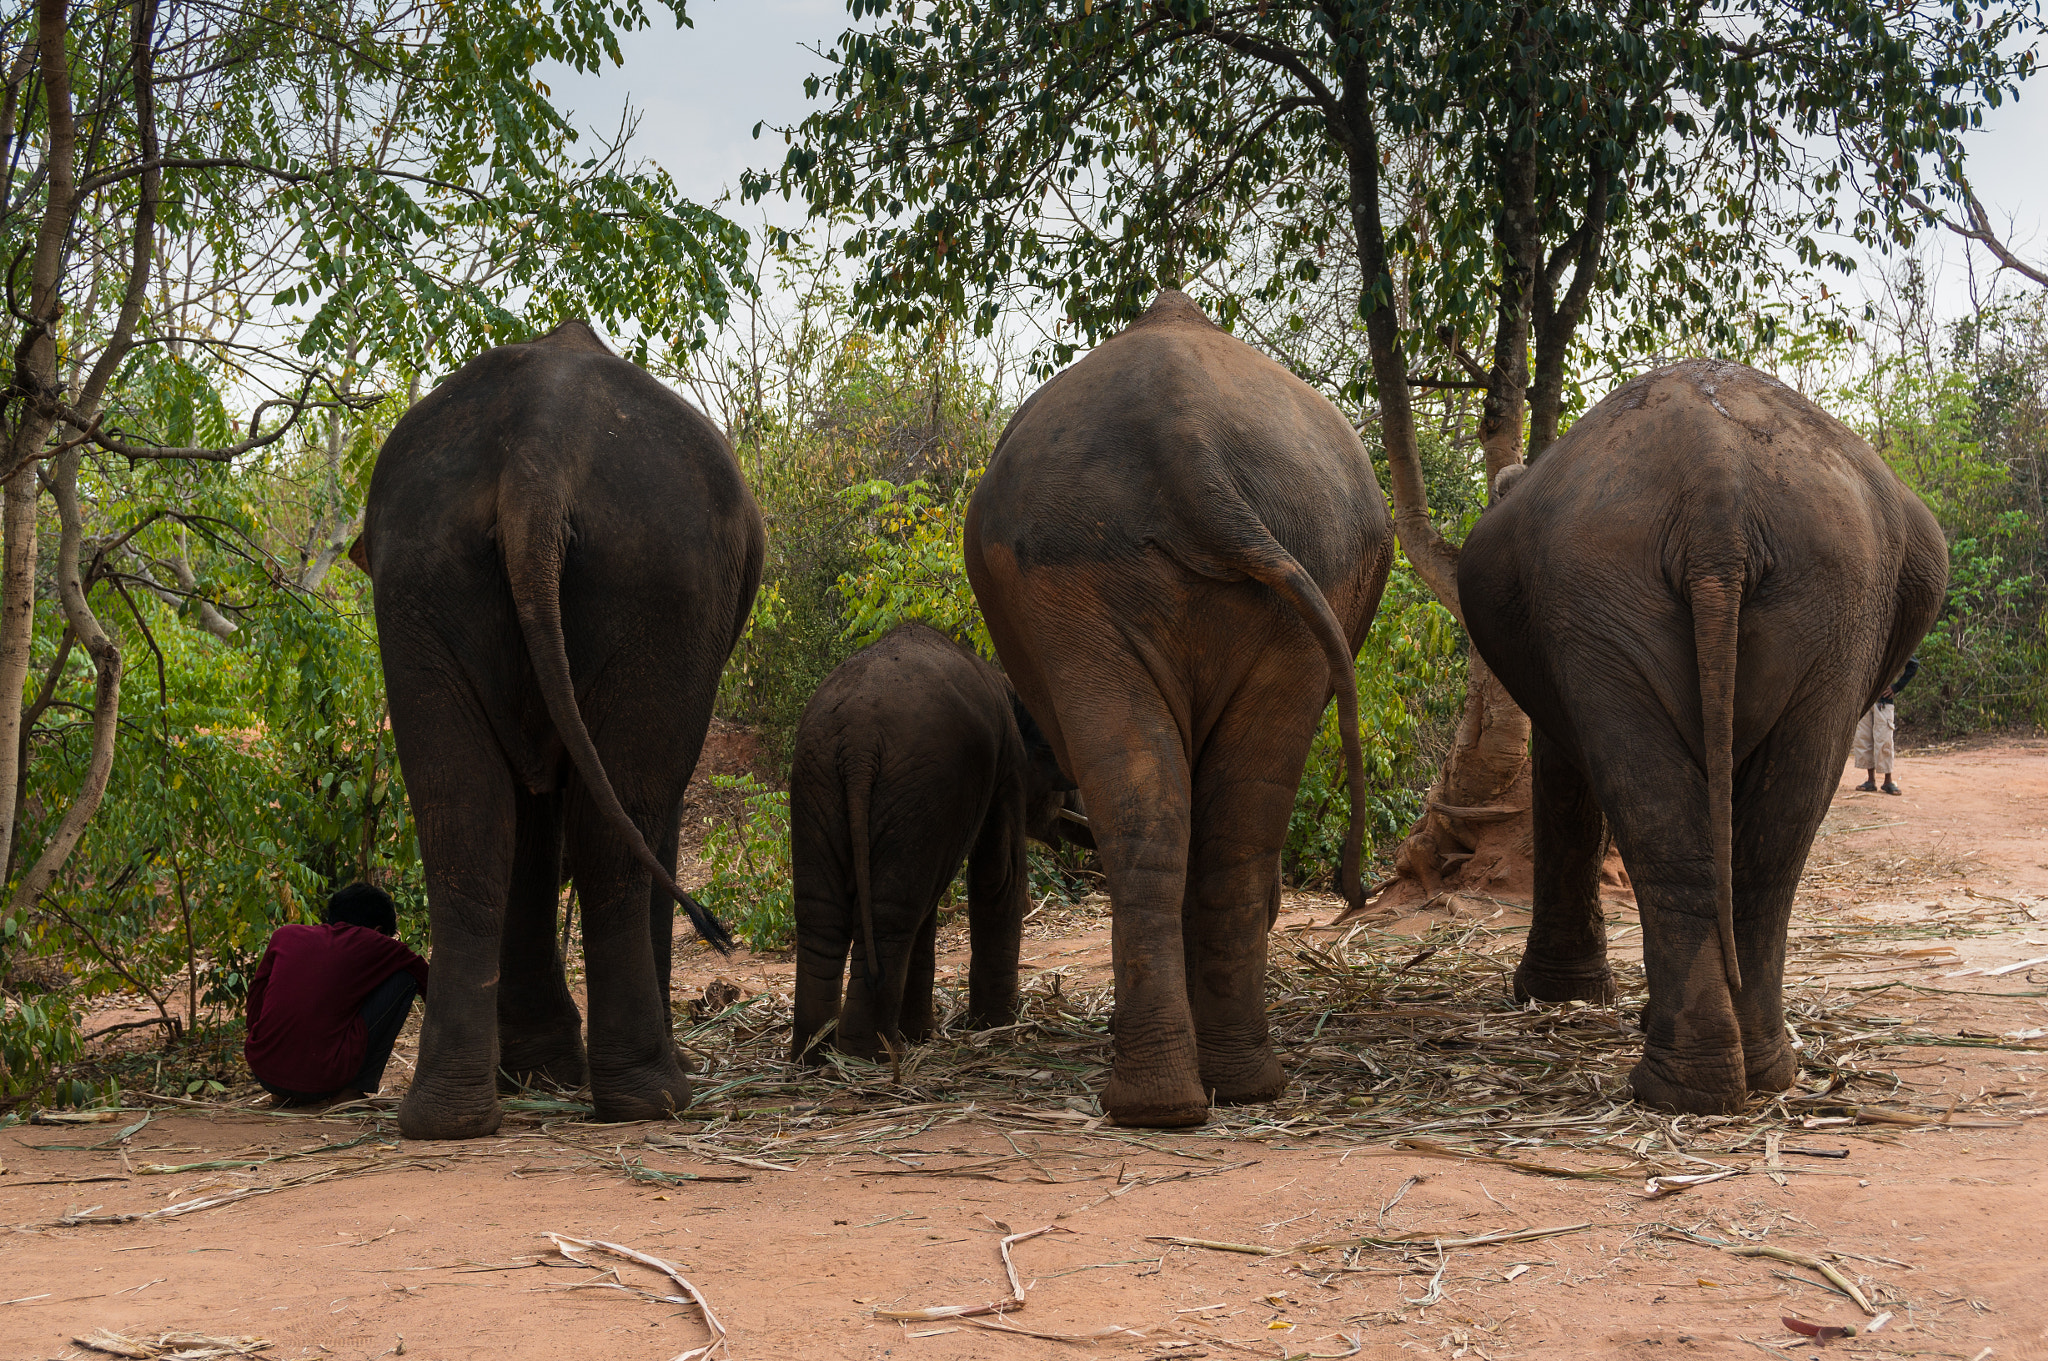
x: 1499, y: 171
x: 1960, y: 411
x: 297, y: 212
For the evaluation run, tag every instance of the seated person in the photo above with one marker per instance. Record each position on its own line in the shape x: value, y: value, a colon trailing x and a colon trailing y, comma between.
x: 328, y: 1001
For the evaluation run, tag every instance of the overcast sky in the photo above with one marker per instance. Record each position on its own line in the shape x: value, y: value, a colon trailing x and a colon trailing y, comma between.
x: 701, y: 90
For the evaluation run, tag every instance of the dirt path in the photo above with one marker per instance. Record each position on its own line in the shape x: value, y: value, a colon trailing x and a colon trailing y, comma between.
x: 860, y: 1195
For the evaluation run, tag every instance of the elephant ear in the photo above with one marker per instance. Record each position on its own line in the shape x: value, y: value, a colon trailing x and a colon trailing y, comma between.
x: 359, y: 552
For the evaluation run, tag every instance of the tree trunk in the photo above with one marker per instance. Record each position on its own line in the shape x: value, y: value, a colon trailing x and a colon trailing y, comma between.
x: 38, y: 396
x: 1475, y: 820
x: 106, y: 702
x: 17, y: 641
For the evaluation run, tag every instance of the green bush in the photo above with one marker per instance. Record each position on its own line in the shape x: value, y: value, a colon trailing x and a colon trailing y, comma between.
x: 747, y: 848
x: 862, y: 471
x: 909, y: 566
x: 1961, y: 414
x: 38, y: 1038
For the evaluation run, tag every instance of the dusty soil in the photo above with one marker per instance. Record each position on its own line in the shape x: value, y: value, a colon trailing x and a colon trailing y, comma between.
x: 1936, y: 1213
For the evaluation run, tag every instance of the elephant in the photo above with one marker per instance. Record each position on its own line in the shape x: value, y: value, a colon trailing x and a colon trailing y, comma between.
x: 1178, y: 547
x: 1693, y: 595
x: 563, y: 554
x: 913, y: 755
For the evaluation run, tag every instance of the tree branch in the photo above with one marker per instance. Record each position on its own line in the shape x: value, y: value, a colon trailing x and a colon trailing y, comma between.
x: 1979, y: 228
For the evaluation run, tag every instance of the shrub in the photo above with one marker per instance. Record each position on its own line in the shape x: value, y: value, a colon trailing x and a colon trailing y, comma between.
x: 909, y: 566
x: 747, y: 848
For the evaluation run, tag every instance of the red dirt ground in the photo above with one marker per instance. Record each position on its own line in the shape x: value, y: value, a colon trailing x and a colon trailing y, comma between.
x: 440, y: 1254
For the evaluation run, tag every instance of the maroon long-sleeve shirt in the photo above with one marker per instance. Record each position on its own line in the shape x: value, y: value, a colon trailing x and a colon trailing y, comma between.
x: 306, y: 1029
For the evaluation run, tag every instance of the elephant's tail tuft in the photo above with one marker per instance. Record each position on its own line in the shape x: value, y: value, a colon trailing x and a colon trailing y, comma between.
x: 1716, y: 611
x: 535, y: 542
x: 860, y: 788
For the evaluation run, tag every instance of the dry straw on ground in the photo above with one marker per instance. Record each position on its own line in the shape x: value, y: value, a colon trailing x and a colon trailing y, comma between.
x: 1400, y: 1041
x: 1387, y: 1039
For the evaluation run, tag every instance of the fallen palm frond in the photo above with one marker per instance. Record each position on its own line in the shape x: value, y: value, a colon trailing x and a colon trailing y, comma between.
x: 1398, y: 1242
x: 229, y: 1164
x: 1841, y: 1284
x: 1397, y: 1043
x: 172, y: 1346
x: 92, y: 1216
x: 567, y: 1246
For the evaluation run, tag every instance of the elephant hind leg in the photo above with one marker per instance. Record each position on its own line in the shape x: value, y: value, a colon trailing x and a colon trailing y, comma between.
x: 635, y: 1071
x: 540, y: 1031
x: 1782, y: 792
x: 1565, y: 959
x: 463, y: 799
x: 915, y: 1018
x: 1243, y: 797
x: 822, y: 941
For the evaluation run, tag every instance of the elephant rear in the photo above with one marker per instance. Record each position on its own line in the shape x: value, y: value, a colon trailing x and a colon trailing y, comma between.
x: 909, y: 759
x: 1693, y: 595
x: 563, y: 553
x: 1179, y: 547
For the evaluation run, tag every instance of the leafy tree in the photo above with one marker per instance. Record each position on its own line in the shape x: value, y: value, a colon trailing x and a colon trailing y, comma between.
x: 297, y: 212
x: 397, y: 172
x: 1497, y: 170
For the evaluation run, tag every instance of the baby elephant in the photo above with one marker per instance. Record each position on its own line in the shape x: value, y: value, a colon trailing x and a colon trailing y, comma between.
x: 914, y: 754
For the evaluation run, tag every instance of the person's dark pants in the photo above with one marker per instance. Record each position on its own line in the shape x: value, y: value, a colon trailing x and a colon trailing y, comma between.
x: 383, y: 1012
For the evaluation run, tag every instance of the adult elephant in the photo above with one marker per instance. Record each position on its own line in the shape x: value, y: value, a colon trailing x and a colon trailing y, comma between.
x: 1693, y: 595
x: 1179, y: 547
x: 563, y: 554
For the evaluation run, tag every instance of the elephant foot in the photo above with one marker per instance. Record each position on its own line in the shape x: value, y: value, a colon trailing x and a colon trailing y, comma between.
x: 425, y: 1114
x: 1775, y: 1071
x: 811, y: 1049
x: 1244, y: 1083
x: 660, y: 1091
x: 1660, y: 1090
x: 1154, y: 1106
x: 553, y: 1060
x: 1563, y: 985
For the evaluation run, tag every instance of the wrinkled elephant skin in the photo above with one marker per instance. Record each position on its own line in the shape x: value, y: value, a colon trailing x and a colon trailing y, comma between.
x: 1693, y: 595
x: 914, y: 755
x: 1179, y: 547
x: 564, y: 554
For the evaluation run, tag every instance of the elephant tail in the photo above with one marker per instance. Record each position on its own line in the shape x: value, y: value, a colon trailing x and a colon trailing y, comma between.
x: 1716, y: 608
x: 1266, y: 560
x: 535, y: 542
x: 860, y: 786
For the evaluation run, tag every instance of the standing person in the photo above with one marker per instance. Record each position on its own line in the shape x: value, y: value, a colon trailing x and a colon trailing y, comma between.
x: 328, y: 1001
x: 1874, y: 735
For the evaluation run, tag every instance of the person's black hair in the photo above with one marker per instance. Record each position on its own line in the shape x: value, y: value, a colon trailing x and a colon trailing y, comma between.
x: 363, y: 905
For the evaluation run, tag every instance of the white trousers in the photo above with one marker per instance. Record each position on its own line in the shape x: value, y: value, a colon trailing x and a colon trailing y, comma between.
x: 1874, y: 740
